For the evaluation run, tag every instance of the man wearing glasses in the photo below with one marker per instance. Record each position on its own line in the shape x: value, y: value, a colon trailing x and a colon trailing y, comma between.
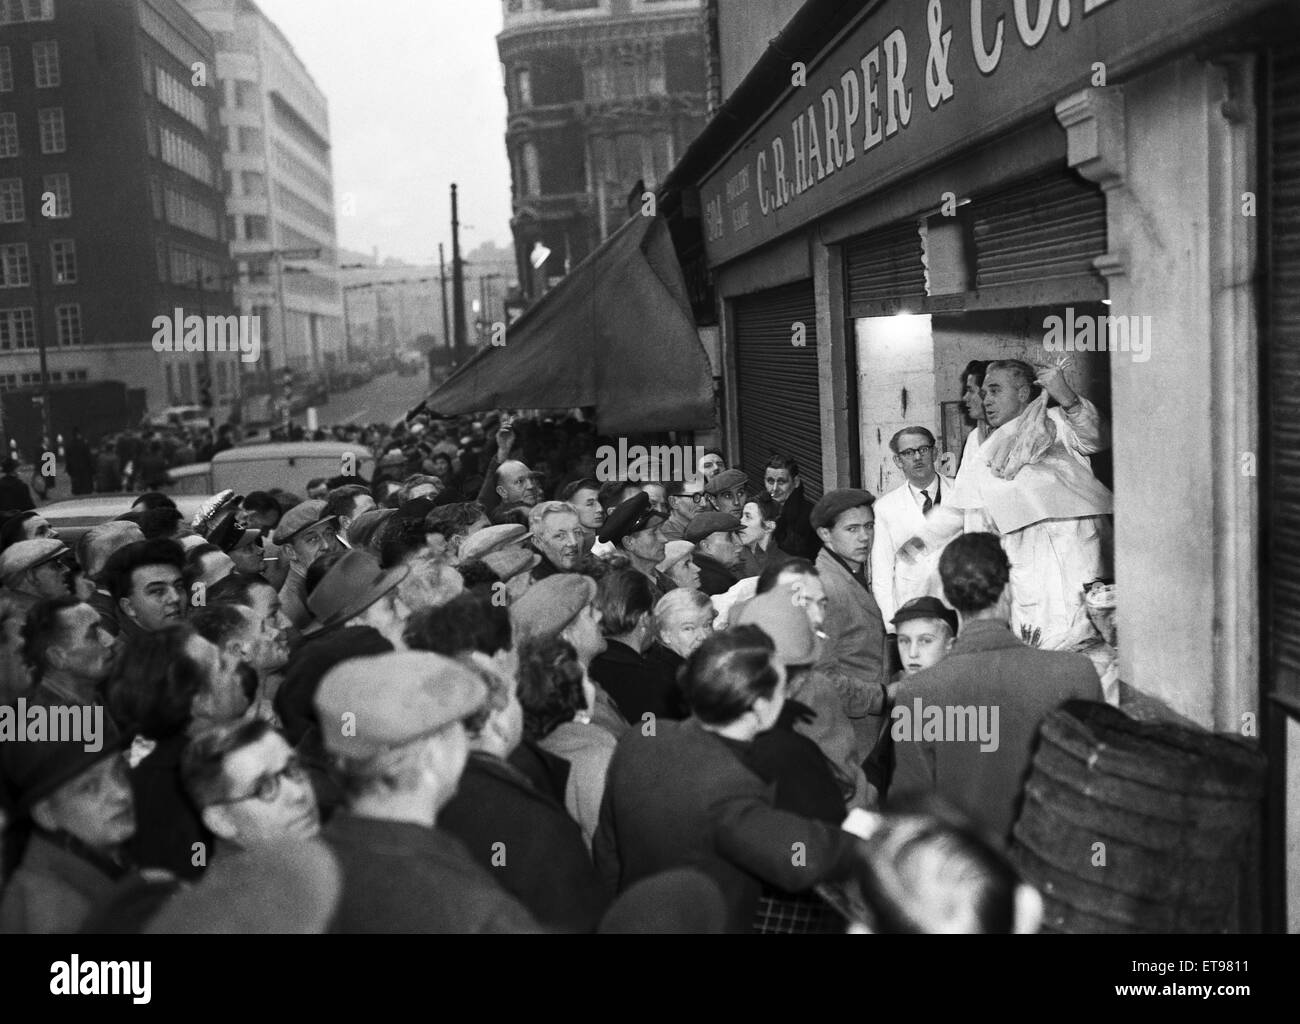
x: 248, y: 786
x: 901, y: 514
x: 686, y: 499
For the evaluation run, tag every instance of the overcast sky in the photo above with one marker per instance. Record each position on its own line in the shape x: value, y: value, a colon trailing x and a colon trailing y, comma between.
x: 416, y: 102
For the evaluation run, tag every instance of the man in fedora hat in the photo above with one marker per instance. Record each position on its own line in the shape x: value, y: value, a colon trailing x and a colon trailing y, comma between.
x: 395, y: 725
x: 357, y: 592
x: 81, y: 809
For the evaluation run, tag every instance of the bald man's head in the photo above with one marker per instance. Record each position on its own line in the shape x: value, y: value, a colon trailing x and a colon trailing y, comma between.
x: 517, y: 483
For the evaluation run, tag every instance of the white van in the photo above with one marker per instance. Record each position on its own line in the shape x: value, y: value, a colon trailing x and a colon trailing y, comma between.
x: 289, y: 466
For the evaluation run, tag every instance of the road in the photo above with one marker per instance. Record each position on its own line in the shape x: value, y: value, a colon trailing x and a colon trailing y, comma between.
x: 382, y: 400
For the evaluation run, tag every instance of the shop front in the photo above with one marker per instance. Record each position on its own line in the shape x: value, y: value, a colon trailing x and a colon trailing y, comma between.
x: 1081, y: 182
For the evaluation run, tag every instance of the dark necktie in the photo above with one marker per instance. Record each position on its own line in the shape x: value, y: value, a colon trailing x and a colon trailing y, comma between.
x: 928, y: 504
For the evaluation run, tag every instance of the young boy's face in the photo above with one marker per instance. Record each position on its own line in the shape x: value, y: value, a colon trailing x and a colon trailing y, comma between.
x: 923, y: 643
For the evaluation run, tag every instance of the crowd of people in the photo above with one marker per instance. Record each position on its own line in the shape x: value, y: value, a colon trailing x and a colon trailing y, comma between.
x: 485, y: 691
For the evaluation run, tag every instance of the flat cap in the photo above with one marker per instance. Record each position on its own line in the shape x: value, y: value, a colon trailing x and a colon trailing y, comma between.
x: 392, y: 699
x: 34, y: 770
x: 926, y: 608
x: 779, y: 614
x: 710, y: 522
x: 491, y: 538
x: 676, y: 551
x: 550, y: 604
x: 298, y: 518
x: 832, y: 503
x: 629, y: 517
x: 727, y: 480
x: 510, y: 562
x: 27, y: 554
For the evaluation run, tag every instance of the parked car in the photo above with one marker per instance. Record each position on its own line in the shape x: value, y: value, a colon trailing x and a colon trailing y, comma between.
x: 74, y: 517
x: 186, y: 417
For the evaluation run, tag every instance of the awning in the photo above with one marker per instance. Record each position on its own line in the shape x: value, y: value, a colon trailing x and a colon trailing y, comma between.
x: 616, y: 333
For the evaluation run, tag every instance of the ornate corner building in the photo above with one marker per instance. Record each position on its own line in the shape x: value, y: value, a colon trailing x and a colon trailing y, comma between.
x: 604, y: 97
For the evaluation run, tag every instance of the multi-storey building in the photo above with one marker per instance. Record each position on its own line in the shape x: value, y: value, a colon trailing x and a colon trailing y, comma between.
x: 602, y: 94
x: 280, y: 188
x: 110, y: 196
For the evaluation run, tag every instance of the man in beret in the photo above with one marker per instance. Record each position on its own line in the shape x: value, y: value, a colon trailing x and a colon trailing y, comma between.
x: 401, y: 748
x: 855, y: 654
x: 716, y: 536
x: 303, y: 536
x: 634, y: 528
x: 33, y: 570
x: 728, y: 492
x: 80, y: 806
x: 557, y: 536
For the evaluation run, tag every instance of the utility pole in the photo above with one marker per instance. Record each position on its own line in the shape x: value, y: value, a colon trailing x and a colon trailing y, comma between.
x: 457, y: 282
x: 442, y: 282
x: 40, y: 344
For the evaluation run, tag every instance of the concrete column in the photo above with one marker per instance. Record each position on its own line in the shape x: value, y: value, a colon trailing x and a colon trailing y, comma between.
x: 1173, y: 152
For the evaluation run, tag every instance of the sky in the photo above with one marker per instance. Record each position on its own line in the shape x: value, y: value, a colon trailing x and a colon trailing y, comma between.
x: 416, y: 102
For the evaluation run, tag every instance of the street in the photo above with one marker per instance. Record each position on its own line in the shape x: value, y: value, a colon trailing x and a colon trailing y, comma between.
x: 382, y: 400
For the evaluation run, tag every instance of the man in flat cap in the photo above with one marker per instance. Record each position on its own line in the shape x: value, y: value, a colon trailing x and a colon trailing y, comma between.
x: 80, y: 805
x: 33, y: 570
x: 855, y: 654
x: 716, y: 536
x: 563, y: 606
x: 395, y: 725
x: 304, y: 534
x: 634, y: 528
x: 728, y: 491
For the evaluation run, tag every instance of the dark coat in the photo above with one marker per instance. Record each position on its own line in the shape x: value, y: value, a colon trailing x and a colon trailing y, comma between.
x: 542, y: 860
x: 638, y: 684
x: 167, y: 825
x: 403, y: 878
x: 715, y: 578
x: 987, y: 667
x: 14, y: 495
x: 794, y: 531
x: 549, y: 773
x: 57, y: 886
x: 684, y: 797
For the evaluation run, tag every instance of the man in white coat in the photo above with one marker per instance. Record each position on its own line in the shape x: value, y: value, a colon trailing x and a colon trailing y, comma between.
x: 901, y: 514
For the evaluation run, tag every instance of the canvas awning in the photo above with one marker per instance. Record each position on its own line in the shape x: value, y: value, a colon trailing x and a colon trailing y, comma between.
x: 616, y: 333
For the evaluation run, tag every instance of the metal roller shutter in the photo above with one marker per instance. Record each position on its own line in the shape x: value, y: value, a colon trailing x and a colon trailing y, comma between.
x: 884, y: 270
x: 779, y: 403
x: 1281, y: 542
x: 1035, y: 242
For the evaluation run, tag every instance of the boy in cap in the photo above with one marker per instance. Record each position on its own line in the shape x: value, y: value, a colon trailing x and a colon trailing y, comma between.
x: 728, y: 491
x: 926, y: 632
x: 80, y: 805
x: 395, y: 725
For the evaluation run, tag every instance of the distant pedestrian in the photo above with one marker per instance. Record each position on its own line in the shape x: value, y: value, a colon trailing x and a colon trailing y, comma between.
x: 108, y: 470
x: 14, y: 494
x: 80, y: 463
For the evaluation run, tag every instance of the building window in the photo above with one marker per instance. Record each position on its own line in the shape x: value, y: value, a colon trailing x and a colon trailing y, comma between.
x: 160, y: 253
x: 246, y: 95
x: 532, y: 170
x: 6, y: 70
x: 69, y: 320
x: 45, y: 59
x: 250, y: 141
x: 176, y: 95
x: 252, y: 183
x: 17, y: 329
x: 11, y: 200
x: 187, y: 384
x: 15, y: 267
x: 53, y: 138
x: 255, y: 228
x: 63, y: 258
x: 60, y: 186
x: 14, y: 12
x: 524, y: 81
x: 8, y: 135
x: 156, y: 198
x: 181, y: 153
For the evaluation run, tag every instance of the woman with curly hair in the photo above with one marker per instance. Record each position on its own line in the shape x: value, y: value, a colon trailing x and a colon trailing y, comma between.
x: 557, y: 698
